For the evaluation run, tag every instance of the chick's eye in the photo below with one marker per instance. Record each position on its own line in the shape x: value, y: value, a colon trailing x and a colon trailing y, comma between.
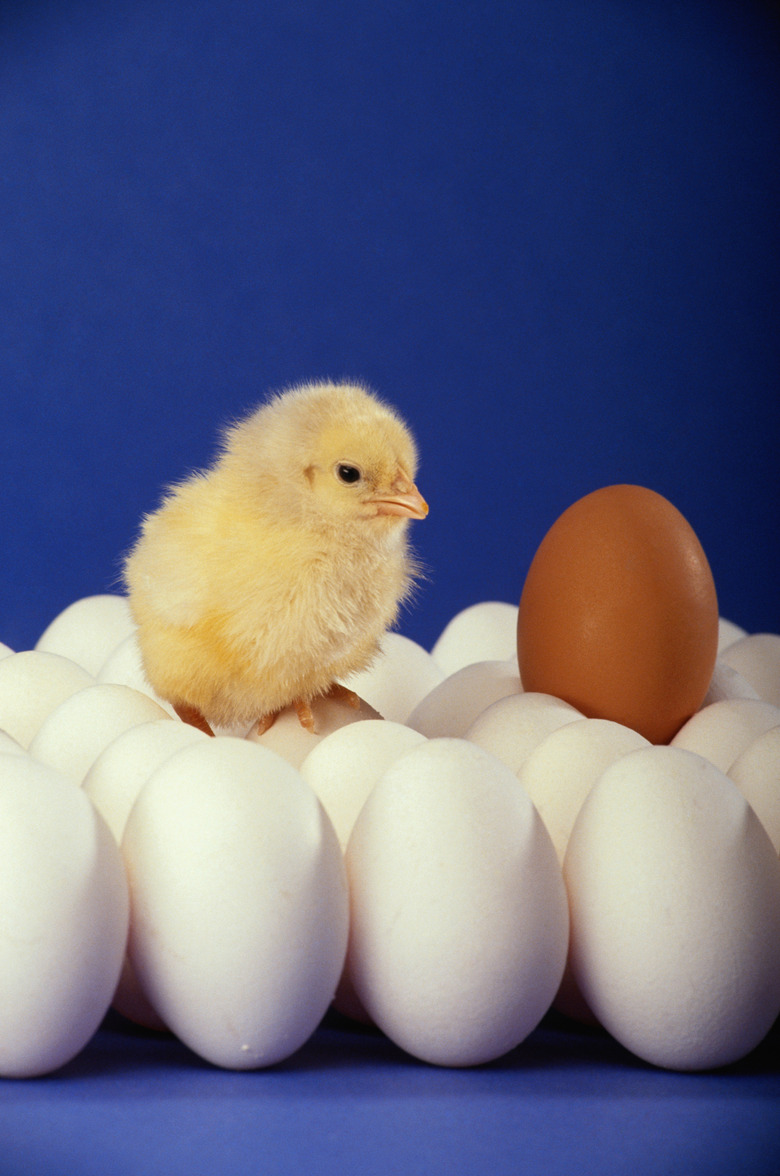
x: 348, y: 474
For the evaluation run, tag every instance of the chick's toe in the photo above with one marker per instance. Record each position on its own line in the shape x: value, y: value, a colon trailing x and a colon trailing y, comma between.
x: 341, y: 693
x: 191, y: 714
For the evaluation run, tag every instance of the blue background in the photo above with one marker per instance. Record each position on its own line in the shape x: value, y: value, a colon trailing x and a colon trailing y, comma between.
x: 547, y: 230
x: 352, y: 1104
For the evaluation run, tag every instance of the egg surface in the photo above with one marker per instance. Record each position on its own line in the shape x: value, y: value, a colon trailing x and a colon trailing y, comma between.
x: 398, y: 679
x: 239, y: 909
x: 563, y: 767
x: 674, y: 896
x: 756, y: 772
x: 513, y: 726
x: 72, y: 737
x: 618, y: 613
x: 32, y: 685
x: 459, y: 919
x: 124, y: 667
x: 120, y: 771
x: 452, y: 706
x: 721, y: 731
x: 344, y: 767
x: 288, y: 739
x: 88, y: 630
x: 486, y: 631
x: 63, y: 918
x: 113, y: 784
x: 726, y: 684
x: 757, y: 658
x: 9, y: 746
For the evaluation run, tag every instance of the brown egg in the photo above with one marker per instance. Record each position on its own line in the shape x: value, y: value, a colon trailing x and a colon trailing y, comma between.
x: 618, y: 614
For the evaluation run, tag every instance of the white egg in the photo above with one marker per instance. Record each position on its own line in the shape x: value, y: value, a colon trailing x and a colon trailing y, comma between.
x: 88, y: 630
x: 486, y: 631
x: 674, y: 894
x: 9, y: 746
x: 756, y: 772
x: 72, y: 737
x: 452, y: 706
x: 63, y: 918
x: 512, y: 727
x: 5, y: 650
x: 757, y: 659
x: 32, y: 685
x: 344, y: 767
x: 293, y: 742
x: 459, y: 919
x: 120, y: 771
x: 726, y: 683
x: 721, y: 731
x: 125, y: 667
x: 728, y: 633
x: 239, y: 902
x: 558, y: 774
x: 400, y: 677
x: 563, y: 767
x: 113, y: 784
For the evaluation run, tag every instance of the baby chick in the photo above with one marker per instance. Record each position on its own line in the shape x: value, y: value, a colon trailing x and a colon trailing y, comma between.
x: 260, y: 582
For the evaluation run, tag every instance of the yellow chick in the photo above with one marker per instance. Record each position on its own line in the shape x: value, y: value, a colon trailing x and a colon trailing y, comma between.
x: 261, y: 581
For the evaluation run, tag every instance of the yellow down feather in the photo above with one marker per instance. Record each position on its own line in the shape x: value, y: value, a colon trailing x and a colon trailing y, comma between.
x: 265, y: 579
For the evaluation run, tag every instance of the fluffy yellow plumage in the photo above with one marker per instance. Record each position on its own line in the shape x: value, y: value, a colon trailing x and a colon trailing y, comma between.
x: 262, y: 581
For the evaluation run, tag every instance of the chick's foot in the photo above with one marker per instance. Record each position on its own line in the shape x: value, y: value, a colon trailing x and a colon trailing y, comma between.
x: 304, y: 712
x: 191, y: 714
x: 265, y: 723
x: 302, y: 708
x: 341, y: 693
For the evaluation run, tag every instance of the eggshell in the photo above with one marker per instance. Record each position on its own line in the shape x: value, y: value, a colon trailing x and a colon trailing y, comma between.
x: 125, y: 668
x: 674, y: 893
x: 293, y: 742
x: 727, y: 683
x: 400, y: 677
x: 563, y: 767
x: 757, y: 659
x: 459, y: 919
x: 113, y: 783
x: 9, y: 746
x: 558, y: 774
x: 482, y: 632
x: 512, y: 727
x: 720, y: 732
x: 63, y: 918
x: 72, y: 737
x: 728, y: 633
x: 88, y: 630
x: 5, y: 650
x: 452, y: 706
x: 239, y: 902
x: 756, y: 772
x: 32, y: 685
x: 120, y: 771
x: 344, y: 767
x: 618, y: 613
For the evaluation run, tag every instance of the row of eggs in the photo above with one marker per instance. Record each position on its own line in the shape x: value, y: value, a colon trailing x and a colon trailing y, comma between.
x: 225, y: 889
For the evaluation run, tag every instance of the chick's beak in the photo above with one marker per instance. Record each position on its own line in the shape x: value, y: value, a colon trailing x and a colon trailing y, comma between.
x: 404, y: 499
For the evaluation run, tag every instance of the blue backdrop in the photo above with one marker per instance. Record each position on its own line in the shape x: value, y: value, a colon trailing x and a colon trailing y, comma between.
x: 547, y: 230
